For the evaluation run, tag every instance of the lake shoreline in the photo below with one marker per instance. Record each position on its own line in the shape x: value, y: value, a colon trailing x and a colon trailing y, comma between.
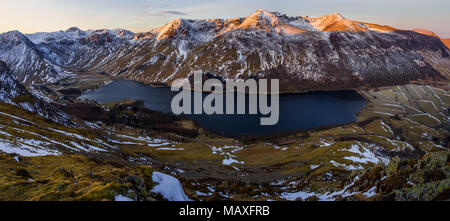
x: 297, y: 112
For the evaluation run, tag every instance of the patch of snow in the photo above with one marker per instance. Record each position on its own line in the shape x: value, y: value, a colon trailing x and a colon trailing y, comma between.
x: 170, y: 149
x: 121, y: 198
x: 227, y: 152
x: 365, y: 155
x: 386, y: 127
x: 17, y: 118
x: 330, y: 196
x: 371, y: 192
x: 347, y: 167
x: 70, y: 134
x: 201, y: 194
x: 26, y: 148
x: 325, y: 143
x: 313, y: 167
x: 230, y: 161
x: 169, y: 187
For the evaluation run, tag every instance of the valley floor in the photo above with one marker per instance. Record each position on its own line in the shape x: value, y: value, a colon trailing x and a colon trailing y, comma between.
x: 398, y: 150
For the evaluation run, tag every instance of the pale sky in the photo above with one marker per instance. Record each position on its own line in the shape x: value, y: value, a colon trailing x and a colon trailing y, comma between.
x: 30, y: 16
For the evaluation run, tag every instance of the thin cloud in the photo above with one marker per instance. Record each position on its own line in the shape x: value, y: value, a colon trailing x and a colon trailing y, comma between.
x: 165, y: 13
x: 173, y: 12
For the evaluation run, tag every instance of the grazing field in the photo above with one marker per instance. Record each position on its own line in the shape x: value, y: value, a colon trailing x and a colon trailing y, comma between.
x: 420, y: 103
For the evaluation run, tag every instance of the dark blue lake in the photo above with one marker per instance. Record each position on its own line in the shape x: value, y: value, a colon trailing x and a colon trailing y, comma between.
x: 297, y: 111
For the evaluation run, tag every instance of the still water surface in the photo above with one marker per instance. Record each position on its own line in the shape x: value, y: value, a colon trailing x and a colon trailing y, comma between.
x: 297, y: 111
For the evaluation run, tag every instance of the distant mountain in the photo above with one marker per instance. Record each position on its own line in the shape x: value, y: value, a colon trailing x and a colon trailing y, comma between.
x: 75, y: 48
x: 48, y: 57
x: 328, y: 52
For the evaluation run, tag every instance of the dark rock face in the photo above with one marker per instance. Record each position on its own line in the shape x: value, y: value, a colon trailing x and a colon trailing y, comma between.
x: 97, y: 39
x: 3, y: 67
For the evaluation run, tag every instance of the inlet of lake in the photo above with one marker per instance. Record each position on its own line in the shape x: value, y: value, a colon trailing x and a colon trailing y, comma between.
x: 297, y: 111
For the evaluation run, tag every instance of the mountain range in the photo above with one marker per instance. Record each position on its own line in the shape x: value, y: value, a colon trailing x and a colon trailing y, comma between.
x: 56, y: 147
x: 306, y: 53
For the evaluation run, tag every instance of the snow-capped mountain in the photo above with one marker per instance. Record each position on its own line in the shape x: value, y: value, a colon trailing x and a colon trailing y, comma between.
x: 327, y: 52
x: 75, y: 48
x: 41, y: 58
x: 26, y: 61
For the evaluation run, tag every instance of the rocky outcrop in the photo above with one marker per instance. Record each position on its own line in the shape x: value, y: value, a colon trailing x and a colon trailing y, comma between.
x: 424, y: 179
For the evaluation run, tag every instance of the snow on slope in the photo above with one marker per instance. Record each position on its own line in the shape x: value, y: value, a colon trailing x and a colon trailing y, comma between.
x: 12, y: 92
x: 74, y: 34
x: 41, y: 58
x: 9, y: 87
x: 26, y: 61
x: 328, y: 52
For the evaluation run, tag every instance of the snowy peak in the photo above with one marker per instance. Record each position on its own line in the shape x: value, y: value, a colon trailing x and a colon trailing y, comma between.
x: 16, y: 37
x: 206, y: 29
x: 425, y: 32
x: 173, y: 28
x: 76, y: 34
x: 45, y: 37
x: 119, y: 33
x: 309, y: 52
x: 183, y: 29
x: 271, y: 22
x: 260, y: 20
x: 335, y: 23
x: 124, y: 33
